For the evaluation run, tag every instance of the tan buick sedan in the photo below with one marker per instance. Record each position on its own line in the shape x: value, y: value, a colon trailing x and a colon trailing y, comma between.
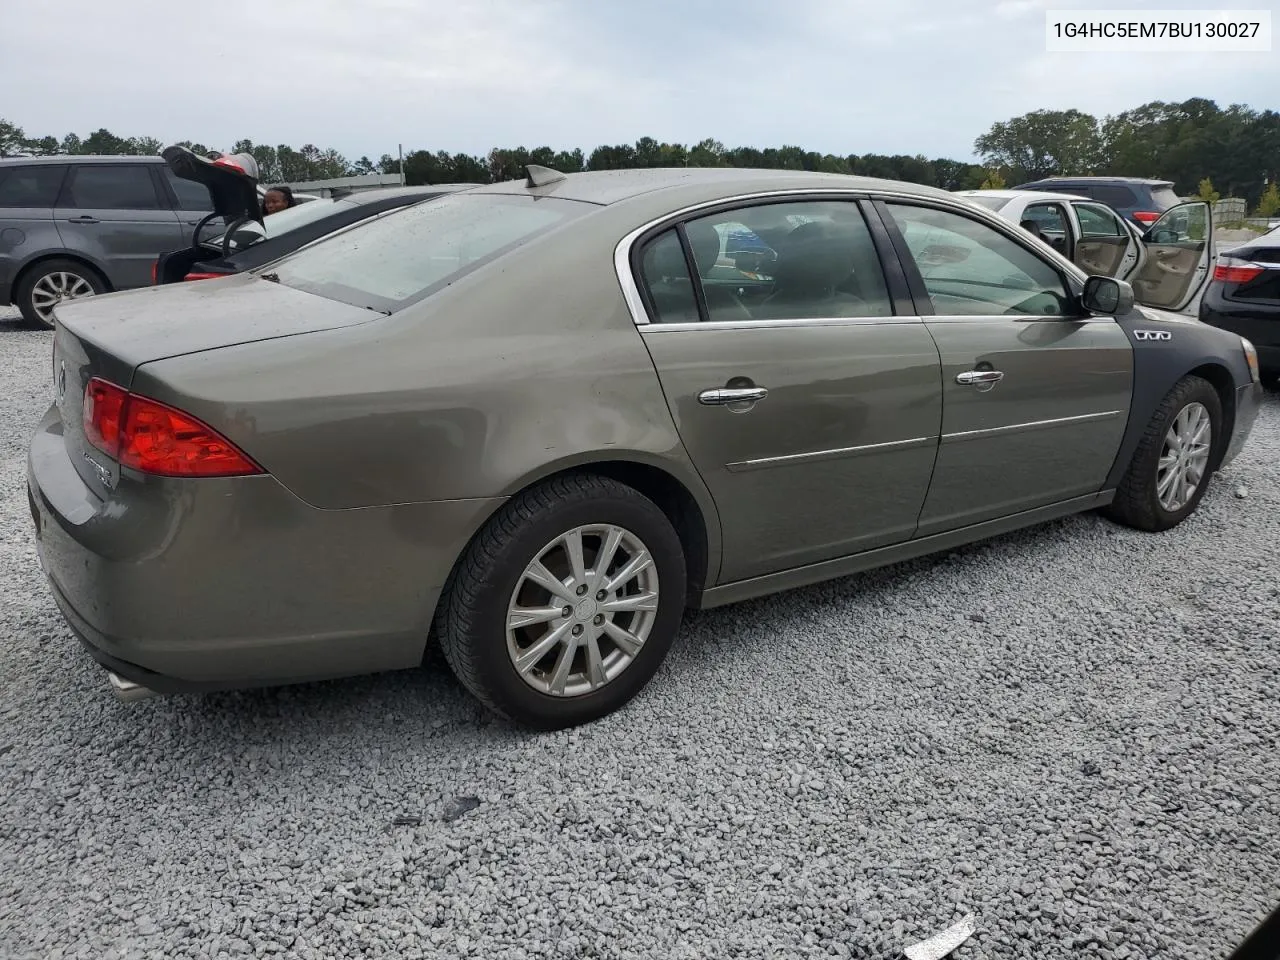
x: 534, y: 421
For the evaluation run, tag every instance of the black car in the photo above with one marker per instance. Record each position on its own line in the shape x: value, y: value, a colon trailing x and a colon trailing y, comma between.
x: 1243, y: 296
x: 1138, y: 199
x: 246, y: 238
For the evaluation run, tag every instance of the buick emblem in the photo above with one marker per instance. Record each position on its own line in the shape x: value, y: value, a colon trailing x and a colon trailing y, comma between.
x: 1153, y: 334
x: 62, y: 380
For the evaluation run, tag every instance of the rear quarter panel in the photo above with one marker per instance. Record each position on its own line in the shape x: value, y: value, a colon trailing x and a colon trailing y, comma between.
x: 526, y: 367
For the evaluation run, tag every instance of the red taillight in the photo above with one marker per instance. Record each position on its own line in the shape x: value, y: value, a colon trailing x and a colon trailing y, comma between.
x: 150, y: 437
x: 203, y: 276
x: 155, y: 272
x: 1237, y: 272
x: 1146, y: 216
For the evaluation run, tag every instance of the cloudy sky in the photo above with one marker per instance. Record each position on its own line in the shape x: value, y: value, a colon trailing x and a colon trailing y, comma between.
x: 844, y: 76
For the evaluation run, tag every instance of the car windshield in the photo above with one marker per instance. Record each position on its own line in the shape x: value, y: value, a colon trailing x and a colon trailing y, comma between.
x: 277, y: 224
x: 400, y: 258
x: 991, y: 203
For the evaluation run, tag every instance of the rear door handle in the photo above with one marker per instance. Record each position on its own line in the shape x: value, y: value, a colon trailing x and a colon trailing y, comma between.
x: 84, y: 219
x: 723, y: 395
x: 979, y: 376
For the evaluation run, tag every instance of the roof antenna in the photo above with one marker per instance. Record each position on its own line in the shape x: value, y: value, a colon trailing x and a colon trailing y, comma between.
x: 541, y: 176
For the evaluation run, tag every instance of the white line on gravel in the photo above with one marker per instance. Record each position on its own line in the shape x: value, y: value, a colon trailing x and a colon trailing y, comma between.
x: 1094, y: 771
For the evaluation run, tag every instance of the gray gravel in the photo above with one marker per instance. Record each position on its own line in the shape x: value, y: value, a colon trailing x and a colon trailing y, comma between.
x: 1070, y: 732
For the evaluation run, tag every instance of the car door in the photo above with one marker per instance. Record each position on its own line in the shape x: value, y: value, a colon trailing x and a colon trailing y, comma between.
x: 812, y: 410
x: 1105, y: 246
x: 116, y: 215
x: 1177, y: 253
x: 1051, y: 223
x: 1035, y: 395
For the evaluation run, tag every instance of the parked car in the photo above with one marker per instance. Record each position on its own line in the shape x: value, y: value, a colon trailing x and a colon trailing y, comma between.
x: 252, y: 239
x: 1168, y: 262
x: 1244, y: 297
x: 1135, y: 198
x: 73, y: 226
x: 526, y: 422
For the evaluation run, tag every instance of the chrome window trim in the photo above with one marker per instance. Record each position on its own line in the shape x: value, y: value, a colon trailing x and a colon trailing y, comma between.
x: 900, y: 319
x: 1030, y: 425
x: 631, y: 289
x: 832, y: 454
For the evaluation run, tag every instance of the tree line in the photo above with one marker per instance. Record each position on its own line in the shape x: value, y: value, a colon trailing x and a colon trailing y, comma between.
x: 1235, y: 149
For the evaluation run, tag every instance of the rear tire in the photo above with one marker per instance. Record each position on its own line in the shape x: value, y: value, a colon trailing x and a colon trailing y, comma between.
x: 48, y: 283
x: 1175, y: 459
x: 532, y: 624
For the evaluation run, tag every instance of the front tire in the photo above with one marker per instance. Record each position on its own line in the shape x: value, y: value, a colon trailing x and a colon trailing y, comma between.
x: 51, y: 282
x: 1175, y: 459
x: 566, y: 603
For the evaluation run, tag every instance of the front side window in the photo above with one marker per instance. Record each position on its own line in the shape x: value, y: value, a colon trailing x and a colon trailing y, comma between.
x: 971, y: 269
x: 118, y: 187
x: 30, y: 186
x: 401, y: 257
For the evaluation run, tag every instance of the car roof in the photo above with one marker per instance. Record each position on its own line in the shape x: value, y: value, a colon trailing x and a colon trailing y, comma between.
x: 1025, y: 195
x: 1139, y: 180
x: 616, y: 186
x: 78, y: 158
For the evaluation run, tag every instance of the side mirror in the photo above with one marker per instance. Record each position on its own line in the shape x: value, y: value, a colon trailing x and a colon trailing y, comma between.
x: 1107, y: 295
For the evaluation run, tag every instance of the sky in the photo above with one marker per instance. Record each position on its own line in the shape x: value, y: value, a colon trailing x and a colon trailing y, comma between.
x: 903, y: 76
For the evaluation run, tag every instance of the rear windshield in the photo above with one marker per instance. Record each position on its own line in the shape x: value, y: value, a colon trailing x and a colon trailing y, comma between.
x: 402, y: 257
x: 991, y: 203
x: 1164, y: 197
x: 277, y: 224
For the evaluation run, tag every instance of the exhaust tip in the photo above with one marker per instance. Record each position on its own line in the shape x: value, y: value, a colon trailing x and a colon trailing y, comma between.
x: 128, y: 691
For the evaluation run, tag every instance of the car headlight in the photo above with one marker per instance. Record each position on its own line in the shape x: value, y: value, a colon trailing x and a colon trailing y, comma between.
x: 1251, y: 358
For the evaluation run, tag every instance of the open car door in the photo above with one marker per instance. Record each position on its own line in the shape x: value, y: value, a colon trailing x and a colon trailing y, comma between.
x: 1177, y: 253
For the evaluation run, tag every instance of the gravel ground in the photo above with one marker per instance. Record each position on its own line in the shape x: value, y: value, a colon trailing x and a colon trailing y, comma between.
x: 1070, y: 732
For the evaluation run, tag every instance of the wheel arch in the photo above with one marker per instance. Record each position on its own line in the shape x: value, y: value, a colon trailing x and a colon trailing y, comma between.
x: 1223, y: 383
x: 685, y: 502
x: 26, y: 269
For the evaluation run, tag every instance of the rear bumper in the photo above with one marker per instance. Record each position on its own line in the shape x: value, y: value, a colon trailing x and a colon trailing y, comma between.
x: 182, y: 585
x: 1248, y: 403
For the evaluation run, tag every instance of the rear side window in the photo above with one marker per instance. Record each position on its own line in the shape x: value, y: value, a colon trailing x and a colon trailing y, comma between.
x: 1097, y: 222
x: 191, y: 195
x: 30, y: 186
x: 1114, y: 196
x: 402, y: 257
x: 117, y: 187
x: 665, y: 275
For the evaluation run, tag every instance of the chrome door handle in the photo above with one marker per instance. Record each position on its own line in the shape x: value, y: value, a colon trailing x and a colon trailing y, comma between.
x: 979, y: 376
x: 723, y: 395
x: 85, y: 219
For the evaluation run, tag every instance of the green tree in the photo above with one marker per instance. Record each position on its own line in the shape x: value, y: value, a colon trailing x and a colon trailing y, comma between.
x: 1207, y: 193
x: 1043, y: 143
x: 12, y: 140
x: 994, y: 181
x: 1269, y: 202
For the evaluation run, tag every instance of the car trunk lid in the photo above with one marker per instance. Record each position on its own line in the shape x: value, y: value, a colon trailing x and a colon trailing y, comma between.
x: 109, y: 337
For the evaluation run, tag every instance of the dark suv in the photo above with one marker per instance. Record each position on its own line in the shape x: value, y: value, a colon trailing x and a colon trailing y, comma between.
x: 1141, y: 201
x: 75, y: 226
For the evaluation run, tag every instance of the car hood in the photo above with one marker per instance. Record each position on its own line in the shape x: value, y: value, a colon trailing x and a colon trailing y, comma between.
x: 234, y: 192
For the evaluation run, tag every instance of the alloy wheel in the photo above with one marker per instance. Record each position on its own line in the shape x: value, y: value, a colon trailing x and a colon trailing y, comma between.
x: 582, y: 610
x: 53, y: 288
x: 1184, y: 458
